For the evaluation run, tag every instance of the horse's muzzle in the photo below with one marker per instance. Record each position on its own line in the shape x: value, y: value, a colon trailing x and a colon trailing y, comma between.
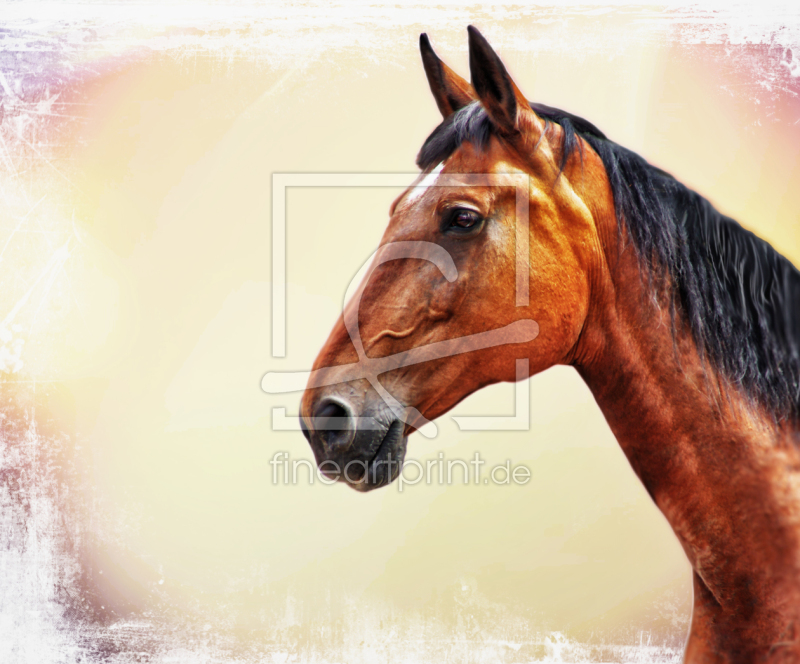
x: 361, y: 444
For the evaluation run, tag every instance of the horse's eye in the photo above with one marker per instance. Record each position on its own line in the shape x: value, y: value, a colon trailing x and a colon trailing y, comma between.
x: 462, y: 219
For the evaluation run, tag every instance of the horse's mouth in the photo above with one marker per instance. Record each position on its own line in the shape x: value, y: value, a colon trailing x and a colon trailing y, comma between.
x: 381, y: 468
x: 387, y: 462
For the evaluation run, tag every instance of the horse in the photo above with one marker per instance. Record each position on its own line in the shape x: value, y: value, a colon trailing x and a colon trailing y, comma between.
x: 684, y: 325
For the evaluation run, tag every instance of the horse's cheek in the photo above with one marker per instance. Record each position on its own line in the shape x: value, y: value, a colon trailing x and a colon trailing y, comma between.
x: 447, y: 299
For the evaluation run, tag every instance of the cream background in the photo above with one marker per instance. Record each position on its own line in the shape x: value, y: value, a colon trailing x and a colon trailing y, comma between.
x: 154, y: 334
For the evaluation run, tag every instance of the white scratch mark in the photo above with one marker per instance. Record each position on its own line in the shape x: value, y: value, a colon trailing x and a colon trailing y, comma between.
x: 21, y: 221
x: 46, y: 160
x: 6, y: 88
x: 56, y: 260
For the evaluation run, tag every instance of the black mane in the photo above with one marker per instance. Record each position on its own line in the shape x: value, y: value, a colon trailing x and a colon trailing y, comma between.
x: 740, y: 297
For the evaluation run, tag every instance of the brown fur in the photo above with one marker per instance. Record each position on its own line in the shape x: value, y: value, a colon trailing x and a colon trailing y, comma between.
x: 724, y: 475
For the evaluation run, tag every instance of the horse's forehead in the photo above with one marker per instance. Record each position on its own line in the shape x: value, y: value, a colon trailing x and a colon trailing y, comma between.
x: 423, y: 183
x: 462, y: 162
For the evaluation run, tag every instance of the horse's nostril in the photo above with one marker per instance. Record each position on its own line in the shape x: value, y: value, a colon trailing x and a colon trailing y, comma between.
x: 333, y: 422
x: 328, y: 413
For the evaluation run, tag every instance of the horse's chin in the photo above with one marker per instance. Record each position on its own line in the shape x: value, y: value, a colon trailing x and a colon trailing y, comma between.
x: 374, y: 467
x: 385, y: 466
x: 363, y: 488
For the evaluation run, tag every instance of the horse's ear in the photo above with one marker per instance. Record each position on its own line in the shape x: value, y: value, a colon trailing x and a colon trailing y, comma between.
x: 450, y: 91
x: 498, y: 94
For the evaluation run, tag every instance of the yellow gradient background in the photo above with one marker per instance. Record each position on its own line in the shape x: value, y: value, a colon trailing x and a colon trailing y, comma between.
x: 159, y: 331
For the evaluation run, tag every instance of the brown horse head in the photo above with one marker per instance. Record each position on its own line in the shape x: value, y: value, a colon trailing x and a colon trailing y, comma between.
x: 487, y: 258
x: 529, y: 236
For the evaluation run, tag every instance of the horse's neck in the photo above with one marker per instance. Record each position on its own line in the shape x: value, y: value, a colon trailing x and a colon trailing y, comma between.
x: 726, y: 477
